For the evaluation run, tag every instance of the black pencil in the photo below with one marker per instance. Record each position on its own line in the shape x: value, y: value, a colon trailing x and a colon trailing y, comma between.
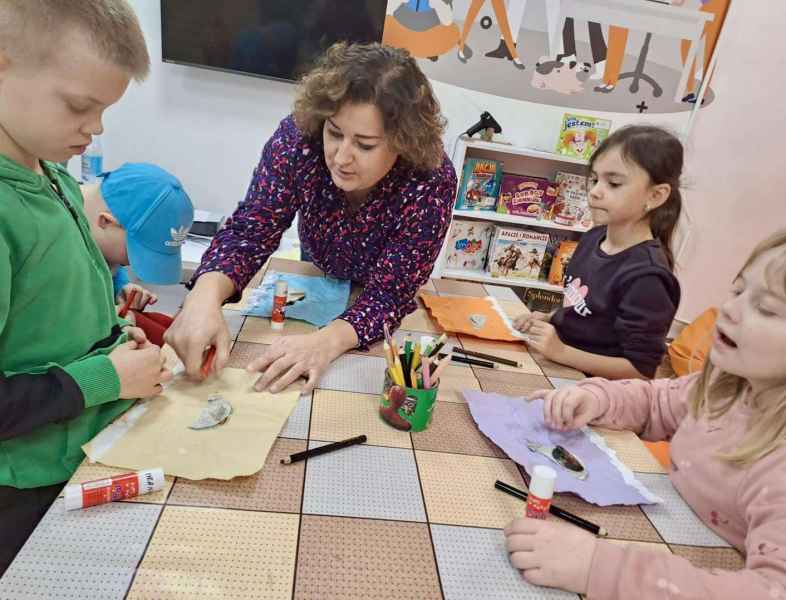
x: 554, y: 510
x: 496, y: 359
x: 470, y: 361
x: 361, y: 439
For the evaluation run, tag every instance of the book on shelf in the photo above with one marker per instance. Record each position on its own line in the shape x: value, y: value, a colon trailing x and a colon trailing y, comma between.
x: 555, y: 239
x: 517, y: 253
x: 579, y: 135
x: 559, y: 264
x: 571, y: 207
x: 524, y: 195
x: 468, y: 245
x: 480, y: 183
x: 542, y: 300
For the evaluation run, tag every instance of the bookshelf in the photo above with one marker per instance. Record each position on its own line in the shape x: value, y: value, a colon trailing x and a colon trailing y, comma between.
x: 517, y: 160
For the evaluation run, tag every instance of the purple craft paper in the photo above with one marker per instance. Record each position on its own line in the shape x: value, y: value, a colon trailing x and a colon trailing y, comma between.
x: 510, y: 422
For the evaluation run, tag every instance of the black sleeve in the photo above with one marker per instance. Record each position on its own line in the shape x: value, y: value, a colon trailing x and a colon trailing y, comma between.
x: 28, y: 402
x: 645, y: 313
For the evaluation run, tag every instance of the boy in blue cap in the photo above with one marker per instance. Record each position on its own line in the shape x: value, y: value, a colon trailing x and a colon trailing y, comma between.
x: 139, y: 215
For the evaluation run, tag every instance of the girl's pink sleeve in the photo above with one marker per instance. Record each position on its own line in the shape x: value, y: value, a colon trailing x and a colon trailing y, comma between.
x: 652, y: 409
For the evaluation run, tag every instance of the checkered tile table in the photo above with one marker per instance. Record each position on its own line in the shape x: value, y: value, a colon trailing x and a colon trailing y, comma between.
x: 404, y: 516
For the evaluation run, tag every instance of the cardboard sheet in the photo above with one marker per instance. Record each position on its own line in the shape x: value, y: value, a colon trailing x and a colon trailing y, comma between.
x: 155, y: 432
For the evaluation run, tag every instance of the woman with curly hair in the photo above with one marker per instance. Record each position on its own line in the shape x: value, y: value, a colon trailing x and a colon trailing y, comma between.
x: 361, y: 161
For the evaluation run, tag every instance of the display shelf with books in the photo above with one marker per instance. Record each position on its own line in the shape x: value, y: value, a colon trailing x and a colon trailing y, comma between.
x: 535, y: 193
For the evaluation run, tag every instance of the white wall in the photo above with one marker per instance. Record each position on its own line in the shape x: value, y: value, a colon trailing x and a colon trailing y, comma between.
x: 735, y: 160
x: 205, y: 126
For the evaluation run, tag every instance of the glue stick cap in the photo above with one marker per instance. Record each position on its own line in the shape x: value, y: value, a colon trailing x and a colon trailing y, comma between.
x: 281, y: 287
x: 72, y: 496
x: 542, y: 484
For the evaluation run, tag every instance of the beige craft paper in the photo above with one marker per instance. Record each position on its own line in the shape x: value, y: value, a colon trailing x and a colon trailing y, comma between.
x: 160, y: 437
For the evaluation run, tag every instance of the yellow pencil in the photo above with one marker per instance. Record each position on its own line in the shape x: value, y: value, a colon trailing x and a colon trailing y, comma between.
x: 399, y: 371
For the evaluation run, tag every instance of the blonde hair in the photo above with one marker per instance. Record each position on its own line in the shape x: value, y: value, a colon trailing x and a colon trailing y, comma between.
x: 390, y: 79
x: 716, y: 391
x: 110, y: 25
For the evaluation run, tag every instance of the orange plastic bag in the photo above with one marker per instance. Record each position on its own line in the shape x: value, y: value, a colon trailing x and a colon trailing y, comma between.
x: 689, y: 351
x: 481, y: 317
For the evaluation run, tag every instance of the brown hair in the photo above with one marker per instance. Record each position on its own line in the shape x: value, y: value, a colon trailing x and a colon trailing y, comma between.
x: 389, y: 79
x: 660, y: 154
x: 111, y: 26
x: 716, y: 391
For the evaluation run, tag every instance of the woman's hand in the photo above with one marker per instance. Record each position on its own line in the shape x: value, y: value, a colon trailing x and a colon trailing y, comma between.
x: 307, y: 356
x: 568, y: 408
x: 200, y: 324
x: 550, y: 553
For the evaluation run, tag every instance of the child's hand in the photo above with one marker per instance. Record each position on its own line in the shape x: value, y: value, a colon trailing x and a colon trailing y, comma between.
x: 523, y: 322
x: 543, y: 338
x: 136, y: 334
x: 552, y: 554
x: 568, y: 408
x: 140, y: 368
x: 142, y: 299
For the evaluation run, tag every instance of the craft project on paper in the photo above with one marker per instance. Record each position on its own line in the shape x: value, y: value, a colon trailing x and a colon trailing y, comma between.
x: 158, y: 431
x: 515, y: 424
x: 481, y: 317
x: 317, y: 300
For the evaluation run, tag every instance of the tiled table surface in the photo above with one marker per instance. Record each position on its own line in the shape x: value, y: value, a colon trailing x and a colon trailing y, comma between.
x: 404, y: 516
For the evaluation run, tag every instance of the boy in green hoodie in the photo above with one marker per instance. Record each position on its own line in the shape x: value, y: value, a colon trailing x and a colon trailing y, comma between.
x: 68, y: 364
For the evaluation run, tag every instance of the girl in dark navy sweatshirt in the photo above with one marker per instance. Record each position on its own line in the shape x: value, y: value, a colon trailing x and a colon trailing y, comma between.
x: 620, y: 292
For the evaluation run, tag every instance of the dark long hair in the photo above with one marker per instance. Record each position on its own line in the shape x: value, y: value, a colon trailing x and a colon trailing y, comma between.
x: 660, y: 154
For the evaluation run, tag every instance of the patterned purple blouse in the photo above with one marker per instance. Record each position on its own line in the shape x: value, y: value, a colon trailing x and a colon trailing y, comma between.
x: 389, y: 245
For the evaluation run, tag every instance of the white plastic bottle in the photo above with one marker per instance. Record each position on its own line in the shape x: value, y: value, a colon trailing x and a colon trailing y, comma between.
x: 93, y: 161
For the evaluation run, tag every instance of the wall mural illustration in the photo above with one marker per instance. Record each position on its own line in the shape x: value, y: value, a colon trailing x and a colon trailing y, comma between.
x: 618, y: 56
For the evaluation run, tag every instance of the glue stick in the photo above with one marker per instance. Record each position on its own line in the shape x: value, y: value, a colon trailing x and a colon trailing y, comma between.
x: 541, y: 490
x: 279, y: 302
x: 119, y: 487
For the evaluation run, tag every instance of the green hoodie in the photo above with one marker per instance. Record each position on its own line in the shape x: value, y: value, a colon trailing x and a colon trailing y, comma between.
x: 57, y: 322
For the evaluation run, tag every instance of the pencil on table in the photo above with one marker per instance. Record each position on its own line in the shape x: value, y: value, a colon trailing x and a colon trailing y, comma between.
x: 491, y: 357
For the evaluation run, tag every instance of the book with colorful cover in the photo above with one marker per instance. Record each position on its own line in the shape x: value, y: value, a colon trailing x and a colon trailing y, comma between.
x: 479, y: 184
x: 556, y: 237
x: 525, y: 196
x: 560, y: 262
x: 571, y: 207
x: 579, y: 135
x: 517, y: 253
x: 468, y: 245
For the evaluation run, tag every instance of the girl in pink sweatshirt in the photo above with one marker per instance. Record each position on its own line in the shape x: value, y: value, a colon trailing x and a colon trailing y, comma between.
x: 727, y: 427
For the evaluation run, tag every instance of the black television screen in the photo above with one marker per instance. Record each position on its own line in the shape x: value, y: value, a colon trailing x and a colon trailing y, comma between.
x: 269, y: 38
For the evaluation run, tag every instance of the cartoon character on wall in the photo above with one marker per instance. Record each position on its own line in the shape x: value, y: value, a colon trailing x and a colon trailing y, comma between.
x: 712, y: 30
x: 561, y: 77
x: 465, y: 52
x: 424, y: 27
x: 515, y: 16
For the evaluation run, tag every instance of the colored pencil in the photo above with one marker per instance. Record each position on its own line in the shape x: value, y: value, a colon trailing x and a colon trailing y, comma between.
x: 471, y: 361
x: 426, y: 375
x: 440, y: 367
x: 438, y: 346
x: 555, y: 510
x: 127, y: 304
x: 361, y: 439
x: 491, y: 357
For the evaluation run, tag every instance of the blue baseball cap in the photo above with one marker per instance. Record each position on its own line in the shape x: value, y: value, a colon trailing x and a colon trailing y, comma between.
x: 156, y: 213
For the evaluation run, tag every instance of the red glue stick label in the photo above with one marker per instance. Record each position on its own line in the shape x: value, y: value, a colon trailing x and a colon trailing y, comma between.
x: 110, y: 490
x: 277, y: 315
x: 537, y: 508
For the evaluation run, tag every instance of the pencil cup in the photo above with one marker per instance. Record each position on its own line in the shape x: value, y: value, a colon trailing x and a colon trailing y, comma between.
x: 405, y: 408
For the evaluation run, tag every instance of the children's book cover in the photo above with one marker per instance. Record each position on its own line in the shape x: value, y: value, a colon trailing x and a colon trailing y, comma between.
x: 571, y: 207
x: 560, y: 262
x: 479, y: 184
x: 468, y: 245
x: 525, y: 196
x: 579, y: 135
x: 517, y: 253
